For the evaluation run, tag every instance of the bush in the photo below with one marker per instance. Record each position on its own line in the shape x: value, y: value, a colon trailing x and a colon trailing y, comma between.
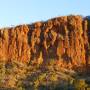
x: 80, y: 84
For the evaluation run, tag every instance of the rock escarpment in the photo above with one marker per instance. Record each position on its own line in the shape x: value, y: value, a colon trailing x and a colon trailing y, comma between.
x: 64, y: 39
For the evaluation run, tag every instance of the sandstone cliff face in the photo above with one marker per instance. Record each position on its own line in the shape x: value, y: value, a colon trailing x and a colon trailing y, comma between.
x: 64, y: 39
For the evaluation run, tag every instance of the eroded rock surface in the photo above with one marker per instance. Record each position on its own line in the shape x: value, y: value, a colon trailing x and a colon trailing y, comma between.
x: 64, y: 39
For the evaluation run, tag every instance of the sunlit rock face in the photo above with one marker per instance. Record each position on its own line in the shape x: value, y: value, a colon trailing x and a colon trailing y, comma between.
x: 64, y: 39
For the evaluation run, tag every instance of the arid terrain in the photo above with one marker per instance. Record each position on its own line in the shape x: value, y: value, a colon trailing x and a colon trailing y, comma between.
x: 46, y: 55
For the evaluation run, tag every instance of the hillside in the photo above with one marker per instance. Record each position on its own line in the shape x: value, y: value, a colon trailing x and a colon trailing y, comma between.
x: 61, y: 45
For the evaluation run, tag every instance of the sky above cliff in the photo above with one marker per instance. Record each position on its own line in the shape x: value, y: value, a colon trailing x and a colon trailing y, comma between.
x: 14, y: 12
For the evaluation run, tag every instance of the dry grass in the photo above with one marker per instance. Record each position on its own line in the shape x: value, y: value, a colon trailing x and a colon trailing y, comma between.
x: 18, y: 76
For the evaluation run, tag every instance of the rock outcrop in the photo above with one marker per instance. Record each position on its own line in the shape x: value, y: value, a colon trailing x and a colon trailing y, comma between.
x: 64, y: 39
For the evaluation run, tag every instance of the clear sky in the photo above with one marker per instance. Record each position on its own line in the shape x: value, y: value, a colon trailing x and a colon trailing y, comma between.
x: 13, y: 12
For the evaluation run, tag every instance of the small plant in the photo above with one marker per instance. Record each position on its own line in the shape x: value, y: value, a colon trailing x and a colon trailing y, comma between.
x: 80, y: 84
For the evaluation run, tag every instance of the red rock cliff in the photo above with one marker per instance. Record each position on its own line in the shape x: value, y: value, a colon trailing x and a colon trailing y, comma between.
x: 64, y: 39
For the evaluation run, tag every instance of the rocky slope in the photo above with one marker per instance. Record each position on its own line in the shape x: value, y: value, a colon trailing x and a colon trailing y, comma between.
x: 64, y: 39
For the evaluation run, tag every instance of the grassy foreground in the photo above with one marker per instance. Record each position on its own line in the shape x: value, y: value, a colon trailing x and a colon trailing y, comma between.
x: 18, y: 76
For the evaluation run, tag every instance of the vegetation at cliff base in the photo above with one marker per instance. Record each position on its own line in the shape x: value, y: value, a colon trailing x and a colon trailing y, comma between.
x: 19, y: 76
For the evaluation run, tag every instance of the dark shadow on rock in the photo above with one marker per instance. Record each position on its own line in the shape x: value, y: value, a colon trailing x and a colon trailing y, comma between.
x: 66, y: 58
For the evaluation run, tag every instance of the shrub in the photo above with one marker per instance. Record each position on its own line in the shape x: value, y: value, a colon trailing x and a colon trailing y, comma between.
x: 80, y: 84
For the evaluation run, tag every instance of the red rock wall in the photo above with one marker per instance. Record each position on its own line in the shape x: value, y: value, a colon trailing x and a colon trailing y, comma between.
x: 63, y: 38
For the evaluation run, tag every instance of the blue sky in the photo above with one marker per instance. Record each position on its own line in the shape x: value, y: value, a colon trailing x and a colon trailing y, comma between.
x: 14, y: 12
